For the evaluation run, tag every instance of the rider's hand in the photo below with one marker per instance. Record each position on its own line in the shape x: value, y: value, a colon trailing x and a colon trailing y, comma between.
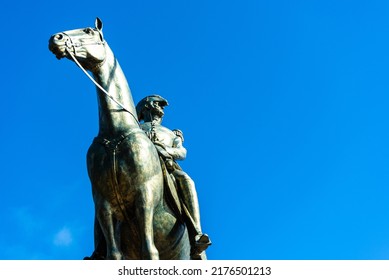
x: 158, y: 143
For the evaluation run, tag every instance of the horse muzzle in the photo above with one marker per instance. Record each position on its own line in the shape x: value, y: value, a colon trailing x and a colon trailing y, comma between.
x: 58, y: 46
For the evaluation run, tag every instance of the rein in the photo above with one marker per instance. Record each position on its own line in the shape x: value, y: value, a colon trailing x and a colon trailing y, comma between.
x: 69, y: 44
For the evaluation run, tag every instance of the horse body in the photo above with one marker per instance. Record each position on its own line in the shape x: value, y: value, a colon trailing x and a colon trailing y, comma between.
x: 132, y: 219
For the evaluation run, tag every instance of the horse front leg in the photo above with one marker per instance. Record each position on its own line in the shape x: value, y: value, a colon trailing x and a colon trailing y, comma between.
x: 144, y: 213
x: 104, y: 214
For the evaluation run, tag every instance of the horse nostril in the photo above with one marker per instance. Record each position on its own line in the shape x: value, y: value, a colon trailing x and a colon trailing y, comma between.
x: 58, y: 37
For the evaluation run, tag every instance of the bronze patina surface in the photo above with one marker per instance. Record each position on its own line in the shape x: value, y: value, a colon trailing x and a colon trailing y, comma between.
x: 139, y: 212
x: 123, y: 164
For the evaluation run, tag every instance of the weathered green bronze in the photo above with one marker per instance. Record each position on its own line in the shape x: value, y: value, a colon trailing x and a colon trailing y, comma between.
x: 138, y: 212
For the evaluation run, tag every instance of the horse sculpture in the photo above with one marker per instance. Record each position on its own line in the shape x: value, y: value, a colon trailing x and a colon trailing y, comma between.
x: 132, y: 217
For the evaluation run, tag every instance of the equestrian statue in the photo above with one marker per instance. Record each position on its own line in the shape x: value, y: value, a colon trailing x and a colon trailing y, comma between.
x: 142, y: 210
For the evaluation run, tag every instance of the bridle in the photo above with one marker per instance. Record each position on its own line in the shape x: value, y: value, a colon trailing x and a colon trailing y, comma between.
x: 70, y: 45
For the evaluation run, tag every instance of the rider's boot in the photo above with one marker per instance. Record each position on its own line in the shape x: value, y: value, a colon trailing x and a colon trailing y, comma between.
x: 201, y: 243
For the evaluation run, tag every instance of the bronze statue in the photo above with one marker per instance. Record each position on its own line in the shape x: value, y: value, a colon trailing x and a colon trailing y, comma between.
x: 169, y: 144
x: 137, y: 211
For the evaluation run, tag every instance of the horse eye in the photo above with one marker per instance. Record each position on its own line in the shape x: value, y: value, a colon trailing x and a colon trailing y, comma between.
x: 88, y: 30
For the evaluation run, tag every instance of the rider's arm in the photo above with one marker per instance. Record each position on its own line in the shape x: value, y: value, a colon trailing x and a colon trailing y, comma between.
x: 178, y: 151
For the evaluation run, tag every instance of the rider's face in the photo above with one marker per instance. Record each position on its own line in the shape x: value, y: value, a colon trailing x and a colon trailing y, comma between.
x: 157, y: 108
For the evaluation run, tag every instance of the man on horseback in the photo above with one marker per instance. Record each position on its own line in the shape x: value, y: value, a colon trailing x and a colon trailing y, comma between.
x: 168, y: 143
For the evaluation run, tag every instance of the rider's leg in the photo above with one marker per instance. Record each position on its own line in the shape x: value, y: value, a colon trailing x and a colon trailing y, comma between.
x: 188, y: 194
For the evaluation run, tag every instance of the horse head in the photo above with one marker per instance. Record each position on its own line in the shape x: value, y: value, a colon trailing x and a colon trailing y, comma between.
x: 87, y: 45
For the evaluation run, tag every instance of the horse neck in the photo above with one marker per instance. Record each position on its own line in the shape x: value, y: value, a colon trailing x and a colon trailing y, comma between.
x: 113, y: 119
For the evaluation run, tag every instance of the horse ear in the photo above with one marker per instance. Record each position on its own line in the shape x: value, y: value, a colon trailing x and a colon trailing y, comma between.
x: 99, y: 24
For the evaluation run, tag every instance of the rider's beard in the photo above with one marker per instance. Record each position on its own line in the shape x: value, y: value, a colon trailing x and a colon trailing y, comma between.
x: 158, y: 112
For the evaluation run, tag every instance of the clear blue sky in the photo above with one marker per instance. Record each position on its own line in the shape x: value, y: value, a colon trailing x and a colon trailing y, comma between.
x: 283, y: 104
